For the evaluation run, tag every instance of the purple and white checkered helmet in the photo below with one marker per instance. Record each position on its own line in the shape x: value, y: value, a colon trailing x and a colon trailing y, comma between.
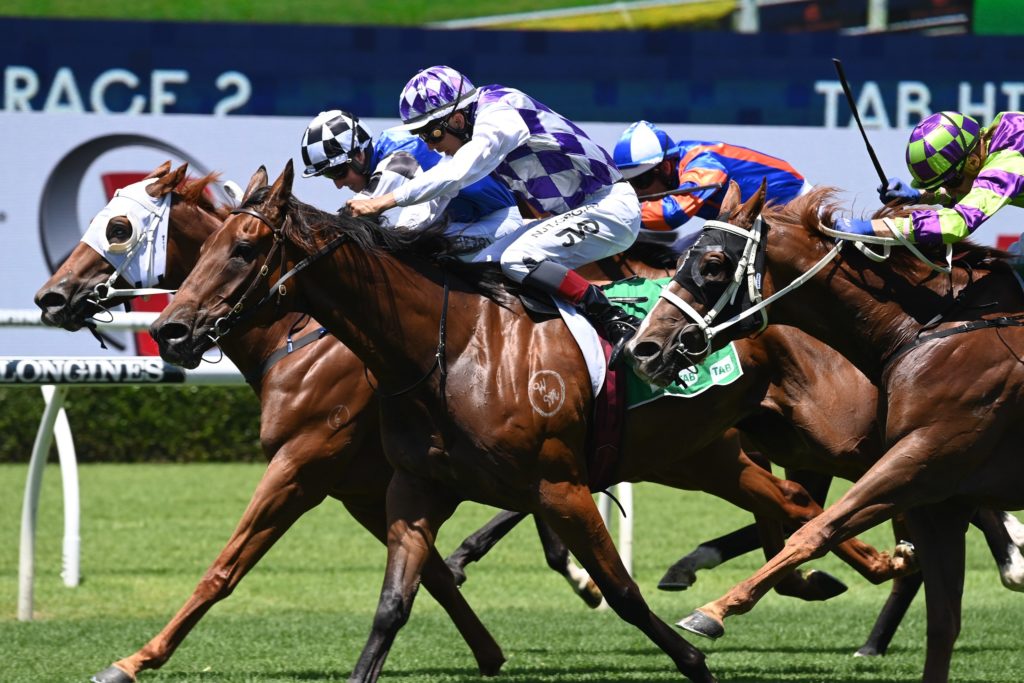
x: 433, y: 94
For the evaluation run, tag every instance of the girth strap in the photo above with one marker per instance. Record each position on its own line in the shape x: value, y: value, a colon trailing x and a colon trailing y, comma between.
x: 1003, y: 321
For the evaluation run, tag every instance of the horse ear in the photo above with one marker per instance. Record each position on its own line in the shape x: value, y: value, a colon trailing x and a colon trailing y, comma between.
x: 751, y: 209
x: 167, y: 182
x: 731, y: 201
x: 282, y: 187
x: 162, y: 169
x: 259, y: 179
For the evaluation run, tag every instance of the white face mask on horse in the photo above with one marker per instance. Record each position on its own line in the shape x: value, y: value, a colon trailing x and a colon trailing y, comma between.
x: 142, y: 258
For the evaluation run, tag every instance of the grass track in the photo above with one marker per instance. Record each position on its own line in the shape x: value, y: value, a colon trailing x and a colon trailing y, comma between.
x: 149, y: 532
x: 382, y: 12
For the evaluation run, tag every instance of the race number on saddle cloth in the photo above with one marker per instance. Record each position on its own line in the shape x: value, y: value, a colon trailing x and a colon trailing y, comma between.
x: 142, y: 258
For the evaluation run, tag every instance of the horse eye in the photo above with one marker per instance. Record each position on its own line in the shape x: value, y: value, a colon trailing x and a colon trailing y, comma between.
x: 117, y: 232
x: 713, y: 265
x: 244, y: 251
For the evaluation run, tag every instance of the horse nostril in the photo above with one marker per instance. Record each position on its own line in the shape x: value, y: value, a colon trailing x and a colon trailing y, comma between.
x: 172, y: 332
x: 51, y: 299
x: 646, y: 350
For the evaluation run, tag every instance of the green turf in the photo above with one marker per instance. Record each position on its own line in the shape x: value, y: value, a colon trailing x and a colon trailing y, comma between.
x: 149, y: 531
x: 396, y: 12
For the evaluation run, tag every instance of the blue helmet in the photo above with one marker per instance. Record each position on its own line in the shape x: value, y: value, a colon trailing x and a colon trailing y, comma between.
x: 641, y: 148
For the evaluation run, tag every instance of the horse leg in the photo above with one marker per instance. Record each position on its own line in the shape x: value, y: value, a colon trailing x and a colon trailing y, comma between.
x: 904, y: 590
x: 938, y: 532
x: 557, y: 555
x: 709, y: 554
x: 416, y: 509
x: 1014, y: 528
x: 438, y: 581
x: 570, y: 511
x: 776, y: 502
x: 1004, y: 549
x: 283, y: 495
x: 878, y: 495
x: 901, y: 594
x: 480, y: 542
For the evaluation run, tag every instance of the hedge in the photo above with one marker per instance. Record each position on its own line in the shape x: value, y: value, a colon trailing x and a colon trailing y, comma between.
x: 140, y: 424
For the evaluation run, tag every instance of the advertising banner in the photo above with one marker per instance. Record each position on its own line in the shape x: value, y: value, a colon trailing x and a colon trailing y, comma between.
x: 698, y: 77
x: 59, y: 170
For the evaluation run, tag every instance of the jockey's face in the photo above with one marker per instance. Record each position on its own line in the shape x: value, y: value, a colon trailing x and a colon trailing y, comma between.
x: 656, y: 180
x: 960, y: 184
x: 449, y: 144
x: 345, y: 175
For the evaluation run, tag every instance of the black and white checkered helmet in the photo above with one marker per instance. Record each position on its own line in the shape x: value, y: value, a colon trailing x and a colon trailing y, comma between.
x: 331, y: 139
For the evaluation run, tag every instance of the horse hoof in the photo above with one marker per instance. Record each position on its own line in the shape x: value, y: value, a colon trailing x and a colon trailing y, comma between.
x: 591, y: 594
x: 492, y: 669
x: 824, y: 585
x: 702, y: 625
x: 677, y: 579
x: 868, y: 651
x: 111, y: 675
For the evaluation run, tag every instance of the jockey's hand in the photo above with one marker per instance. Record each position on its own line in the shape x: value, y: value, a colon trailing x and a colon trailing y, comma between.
x: 857, y: 226
x: 895, y: 190
x: 371, y: 206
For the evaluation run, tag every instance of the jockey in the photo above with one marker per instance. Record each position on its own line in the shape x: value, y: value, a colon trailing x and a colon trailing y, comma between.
x: 654, y: 164
x: 548, y: 163
x: 970, y: 171
x: 341, y: 148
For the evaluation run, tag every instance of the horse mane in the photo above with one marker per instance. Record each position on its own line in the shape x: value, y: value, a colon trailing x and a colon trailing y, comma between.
x: 194, y: 192
x: 309, y: 227
x: 819, y: 207
x: 654, y: 251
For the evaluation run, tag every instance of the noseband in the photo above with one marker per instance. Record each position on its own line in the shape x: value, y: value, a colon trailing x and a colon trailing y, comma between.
x: 749, y: 268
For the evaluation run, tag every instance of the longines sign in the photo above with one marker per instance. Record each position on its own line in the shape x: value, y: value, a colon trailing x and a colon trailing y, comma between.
x: 89, y: 371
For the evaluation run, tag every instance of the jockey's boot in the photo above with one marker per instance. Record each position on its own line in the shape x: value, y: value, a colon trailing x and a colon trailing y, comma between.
x: 617, y: 326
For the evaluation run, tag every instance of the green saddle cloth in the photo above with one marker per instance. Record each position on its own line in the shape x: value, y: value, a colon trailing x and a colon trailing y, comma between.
x: 638, y: 296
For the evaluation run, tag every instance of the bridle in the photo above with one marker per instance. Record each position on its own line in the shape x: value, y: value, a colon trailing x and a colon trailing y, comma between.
x: 239, y: 313
x: 141, y: 237
x: 749, y: 270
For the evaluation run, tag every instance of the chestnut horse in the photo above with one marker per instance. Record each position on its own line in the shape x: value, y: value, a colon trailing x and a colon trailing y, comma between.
x: 295, y: 479
x: 315, y: 448
x: 944, y: 346
x: 496, y: 414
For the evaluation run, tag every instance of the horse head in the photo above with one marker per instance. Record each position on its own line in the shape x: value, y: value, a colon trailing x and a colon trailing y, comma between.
x: 233, y: 278
x: 720, y: 275
x: 95, y: 276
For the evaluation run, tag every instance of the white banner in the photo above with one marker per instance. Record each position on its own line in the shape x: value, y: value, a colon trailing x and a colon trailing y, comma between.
x: 57, y: 170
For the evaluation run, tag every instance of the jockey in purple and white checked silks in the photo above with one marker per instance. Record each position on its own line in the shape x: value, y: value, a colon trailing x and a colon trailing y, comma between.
x: 548, y: 162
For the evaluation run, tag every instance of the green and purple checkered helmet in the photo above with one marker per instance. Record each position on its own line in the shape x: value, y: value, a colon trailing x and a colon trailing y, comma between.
x: 939, y: 147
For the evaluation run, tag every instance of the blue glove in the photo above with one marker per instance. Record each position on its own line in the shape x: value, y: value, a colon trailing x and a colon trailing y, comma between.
x: 895, y: 190
x: 858, y: 226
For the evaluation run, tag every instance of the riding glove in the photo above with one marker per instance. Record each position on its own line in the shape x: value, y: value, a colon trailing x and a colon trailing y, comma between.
x: 857, y: 226
x: 895, y: 190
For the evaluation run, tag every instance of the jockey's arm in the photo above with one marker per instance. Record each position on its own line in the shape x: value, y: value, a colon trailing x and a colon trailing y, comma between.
x: 494, y: 137
x: 668, y: 213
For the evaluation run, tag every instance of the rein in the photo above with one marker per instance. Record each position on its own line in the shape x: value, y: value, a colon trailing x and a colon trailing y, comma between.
x: 745, y: 265
x: 746, y: 268
x: 440, y: 357
x: 223, y: 325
